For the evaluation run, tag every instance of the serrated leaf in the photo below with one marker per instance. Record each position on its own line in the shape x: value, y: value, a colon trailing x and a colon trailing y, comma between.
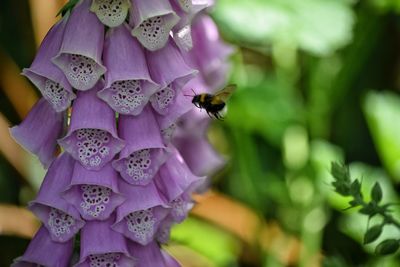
x: 388, y: 246
x: 376, y: 193
x: 355, y: 187
x: 372, y: 234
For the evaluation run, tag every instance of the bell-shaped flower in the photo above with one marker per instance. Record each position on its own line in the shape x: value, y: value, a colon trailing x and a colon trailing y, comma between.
x: 190, y: 138
x: 58, y: 216
x: 92, y: 136
x: 144, y: 151
x: 46, y: 76
x: 101, y: 246
x: 80, y: 53
x: 37, y: 253
x: 140, y: 215
x: 111, y: 13
x: 39, y: 131
x: 152, y: 20
x: 176, y: 182
x: 168, y: 68
x: 209, y: 53
x: 187, y: 11
x: 151, y: 255
x: 128, y: 86
x: 94, y: 194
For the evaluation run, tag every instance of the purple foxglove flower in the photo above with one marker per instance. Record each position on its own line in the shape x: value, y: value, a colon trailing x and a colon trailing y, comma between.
x: 128, y: 86
x: 101, y: 246
x: 168, y: 68
x: 37, y: 253
x: 183, y: 104
x: 58, y: 216
x: 39, y: 131
x: 175, y: 178
x: 92, y: 136
x: 186, y: 10
x: 140, y: 215
x: 94, y: 194
x: 80, y: 53
x: 144, y: 151
x: 111, y: 13
x: 177, y: 182
x: 152, y: 20
x: 209, y: 53
x: 47, y: 77
x: 191, y: 141
x: 151, y: 255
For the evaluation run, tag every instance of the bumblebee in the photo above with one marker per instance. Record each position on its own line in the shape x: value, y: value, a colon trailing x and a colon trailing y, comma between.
x: 213, y: 104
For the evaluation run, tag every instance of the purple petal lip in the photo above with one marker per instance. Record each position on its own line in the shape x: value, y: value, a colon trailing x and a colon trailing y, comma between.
x: 47, y: 77
x: 92, y: 136
x: 38, y: 250
x: 175, y: 178
x: 94, y: 194
x: 111, y: 14
x: 60, y: 218
x: 144, y: 151
x: 128, y: 86
x: 152, y: 21
x: 139, y: 216
x: 80, y: 53
x: 109, y: 247
x: 39, y: 131
x: 167, y: 66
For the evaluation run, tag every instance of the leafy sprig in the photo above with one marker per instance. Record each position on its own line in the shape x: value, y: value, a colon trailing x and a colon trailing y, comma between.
x: 344, y: 186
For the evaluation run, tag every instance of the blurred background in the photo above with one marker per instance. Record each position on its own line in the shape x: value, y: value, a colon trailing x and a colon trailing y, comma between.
x: 318, y: 81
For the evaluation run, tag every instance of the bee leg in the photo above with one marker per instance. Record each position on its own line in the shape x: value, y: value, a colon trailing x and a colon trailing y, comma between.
x: 218, y: 116
x: 208, y: 113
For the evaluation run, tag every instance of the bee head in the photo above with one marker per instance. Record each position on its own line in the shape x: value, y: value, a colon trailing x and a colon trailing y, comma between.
x: 196, y: 99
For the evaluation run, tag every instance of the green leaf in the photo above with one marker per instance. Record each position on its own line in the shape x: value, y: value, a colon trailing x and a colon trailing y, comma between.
x: 382, y: 110
x: 376, y: 193
x: 372, y: 234
x: 388, y: 246
x: 302, y: 24
x: 355, y: 187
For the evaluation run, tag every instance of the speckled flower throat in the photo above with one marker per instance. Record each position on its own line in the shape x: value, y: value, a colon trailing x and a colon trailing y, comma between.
x: 134, y: 148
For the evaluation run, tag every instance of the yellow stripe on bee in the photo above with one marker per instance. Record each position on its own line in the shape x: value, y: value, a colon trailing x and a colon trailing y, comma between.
x: 202, y: 98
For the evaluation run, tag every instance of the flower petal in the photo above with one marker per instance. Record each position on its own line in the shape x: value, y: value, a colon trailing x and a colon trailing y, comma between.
x: 111, y: 13
x: 38, y: 250
x: 39, y: 131
x: 152, y: 21
x: 92, y: 138
x: 144, y: 152
x: 80, y: 53
x: 150, y: 255
x: 175, y: 178
x: 60, y: 218
x: 140, y: 215
x: 49, y: 79
x: 128, y: 86
x: 101, y: 246
x: 94, y: 194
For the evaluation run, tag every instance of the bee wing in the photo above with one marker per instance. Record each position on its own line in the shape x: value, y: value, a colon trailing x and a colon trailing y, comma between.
x: 224, y: 94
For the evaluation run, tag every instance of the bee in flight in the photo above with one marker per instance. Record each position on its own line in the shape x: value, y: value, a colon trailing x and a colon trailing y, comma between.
x: 213, y: 104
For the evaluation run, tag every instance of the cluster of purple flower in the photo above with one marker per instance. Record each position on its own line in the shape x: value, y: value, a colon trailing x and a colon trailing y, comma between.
x: 134, y: 148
